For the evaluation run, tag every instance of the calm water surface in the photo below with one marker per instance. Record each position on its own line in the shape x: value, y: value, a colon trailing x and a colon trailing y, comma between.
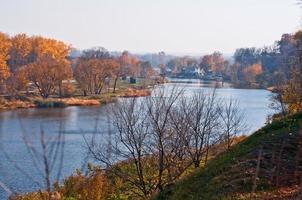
x: 79, y: 122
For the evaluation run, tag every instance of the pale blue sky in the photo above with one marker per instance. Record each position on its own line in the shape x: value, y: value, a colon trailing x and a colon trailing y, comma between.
x: 174, y: 26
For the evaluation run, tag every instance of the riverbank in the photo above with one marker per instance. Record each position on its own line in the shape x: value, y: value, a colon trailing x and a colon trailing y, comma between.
x: 245, y: 172
x: 219, y: 83
x: 104, y: 98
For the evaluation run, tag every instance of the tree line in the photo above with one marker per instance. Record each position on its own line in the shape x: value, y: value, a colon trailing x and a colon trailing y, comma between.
x: 278, y: 67
x: 248, y: 67
x: 44, y: 65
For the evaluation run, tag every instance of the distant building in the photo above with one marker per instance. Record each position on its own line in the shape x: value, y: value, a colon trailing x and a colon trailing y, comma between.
x: 200, y: 71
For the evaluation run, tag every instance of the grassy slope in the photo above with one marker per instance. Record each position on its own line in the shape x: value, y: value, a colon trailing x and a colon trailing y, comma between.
x: 231, y: 174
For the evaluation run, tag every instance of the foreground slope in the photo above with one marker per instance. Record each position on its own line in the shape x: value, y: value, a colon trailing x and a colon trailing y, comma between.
x: 268, y: 162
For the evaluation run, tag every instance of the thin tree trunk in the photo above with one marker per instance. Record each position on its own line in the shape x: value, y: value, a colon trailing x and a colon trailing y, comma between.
x: 257, y: 172
x: 60, y: 89
x: 115, y: 82
x: 161, y: 168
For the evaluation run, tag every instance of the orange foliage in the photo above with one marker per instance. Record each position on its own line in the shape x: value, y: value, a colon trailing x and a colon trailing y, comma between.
x: 46, y: 73
x: 4, y: 49
x: 251, y: 72
x: 91, y: 74
x: 214, y: 62
x: 93, y: 186
x: 44, y: 46
x: 129, y: 64
x: 17, y: 81
x: 20, y: 51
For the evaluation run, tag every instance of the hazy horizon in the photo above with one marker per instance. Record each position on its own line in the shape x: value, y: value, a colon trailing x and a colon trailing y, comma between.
x: 177, y: 27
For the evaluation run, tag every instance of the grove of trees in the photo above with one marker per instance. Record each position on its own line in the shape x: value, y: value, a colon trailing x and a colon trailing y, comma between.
x: 43, y: 66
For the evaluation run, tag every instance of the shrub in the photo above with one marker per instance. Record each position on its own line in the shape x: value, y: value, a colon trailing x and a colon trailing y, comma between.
x: 94, y: 185
x: 49, y: 104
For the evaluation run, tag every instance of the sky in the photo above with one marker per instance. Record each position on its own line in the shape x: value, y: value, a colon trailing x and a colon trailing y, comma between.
x: 141, y: 26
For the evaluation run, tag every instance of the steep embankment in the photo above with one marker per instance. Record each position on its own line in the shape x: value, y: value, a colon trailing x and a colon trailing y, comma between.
x: 273, y: 155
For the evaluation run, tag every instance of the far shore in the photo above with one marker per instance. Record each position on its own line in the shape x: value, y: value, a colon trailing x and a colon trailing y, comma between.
x: 94, y: 100
x: 53, y: 102
x: 220, y: 83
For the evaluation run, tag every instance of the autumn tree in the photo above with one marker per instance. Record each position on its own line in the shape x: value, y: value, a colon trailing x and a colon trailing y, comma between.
x: 91, y: 74
x: 288, y: 57
x: 292, y: 94
x: 213, y: 63
x: 218, y: 63
x: 18, y: 81
x: 122, y: 69
x: 135, y: 69
x: 4, y: 50
x: 93, y: 68
x: 46, y: 73
x: 251, y: 72
x: 45, y: 46
x: 83, y: 74
x: 117, y: 72
x: 48, y: 65
x: 246, y: 56
x: 20, y: 51
x: 146, y: 69
x: 293, y: 91
x: 127, y: 65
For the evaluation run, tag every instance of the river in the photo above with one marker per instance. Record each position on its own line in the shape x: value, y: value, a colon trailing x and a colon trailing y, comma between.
x: 77, y: 122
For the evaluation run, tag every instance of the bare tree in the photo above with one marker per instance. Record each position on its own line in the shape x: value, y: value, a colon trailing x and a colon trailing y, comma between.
x: 232, y: 121
x: 202, y: 117
x: 130, y: 145
x: 159, y: 106
x: 158, y: 137
x: 144, y: 138
x: 132, y: 133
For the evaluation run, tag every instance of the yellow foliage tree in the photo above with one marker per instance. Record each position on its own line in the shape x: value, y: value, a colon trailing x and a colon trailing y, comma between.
x: 46, y: 73
x: 44, y: 46
x: 19, y: 53
x: 50, y: 65
x: 17, y: 82
x: 251, y: 72
x: 91, y: 74
x: 4, y: 49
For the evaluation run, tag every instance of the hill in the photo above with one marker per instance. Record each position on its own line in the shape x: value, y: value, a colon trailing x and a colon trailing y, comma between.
x: 269, y: 162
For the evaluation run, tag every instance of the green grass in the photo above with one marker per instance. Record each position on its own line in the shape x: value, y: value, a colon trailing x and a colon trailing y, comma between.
x: 215, y: 181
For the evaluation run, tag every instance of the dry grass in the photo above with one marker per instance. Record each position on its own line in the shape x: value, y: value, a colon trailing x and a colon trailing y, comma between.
x: 14, y: 104
x: 36, y: 102
x: 80, y: 102
x: 135, y: 93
